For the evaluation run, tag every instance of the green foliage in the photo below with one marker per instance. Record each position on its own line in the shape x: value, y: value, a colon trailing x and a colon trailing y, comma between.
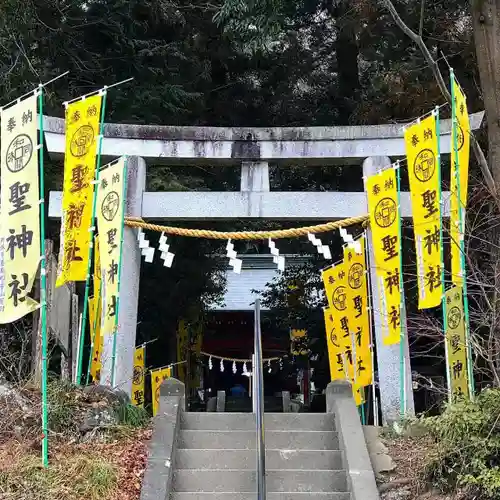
x: 132, y: 416
x: 229, y: 63
x: 63, y: 406
x: 467, y: 454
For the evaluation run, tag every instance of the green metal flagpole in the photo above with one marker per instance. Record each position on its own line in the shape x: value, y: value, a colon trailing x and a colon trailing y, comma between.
x: 43, y: 285
x: 124, y: 199
x: 461, y: 221
x: 402, y: 312
x: 91, y: 242
x: 369, y: 311
x: 97, y: 318
x: 440, y: 198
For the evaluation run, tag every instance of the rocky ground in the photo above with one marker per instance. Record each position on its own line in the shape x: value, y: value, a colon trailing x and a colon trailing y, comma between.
x: 403, y: 477
x: 97, y: 445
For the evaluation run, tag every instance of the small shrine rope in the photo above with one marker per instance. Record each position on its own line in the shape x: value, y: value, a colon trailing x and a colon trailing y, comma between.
x: 240, y: 360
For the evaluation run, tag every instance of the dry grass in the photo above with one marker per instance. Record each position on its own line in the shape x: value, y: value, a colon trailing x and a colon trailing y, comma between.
x: 411, y: 455
x: 105, y: 464
x: 80, y: 476
x: 85, y: 471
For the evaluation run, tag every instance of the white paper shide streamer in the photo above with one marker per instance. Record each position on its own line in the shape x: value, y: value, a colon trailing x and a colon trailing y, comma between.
x: 146, y: 251
x: 166, y: 255
x: 277, y: 258
x: 350, y: 241
x: 231, y: 254
x: 322, y: 249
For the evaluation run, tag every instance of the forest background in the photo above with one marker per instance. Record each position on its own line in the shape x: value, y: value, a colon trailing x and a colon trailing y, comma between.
x: 267, y: 63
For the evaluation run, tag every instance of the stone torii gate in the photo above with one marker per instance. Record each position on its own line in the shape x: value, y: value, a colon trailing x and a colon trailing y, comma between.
x: 251, y: 149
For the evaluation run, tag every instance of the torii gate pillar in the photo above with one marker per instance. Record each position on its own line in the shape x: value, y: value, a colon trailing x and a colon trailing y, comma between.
x: 388, y: 357
x: 129, y: 286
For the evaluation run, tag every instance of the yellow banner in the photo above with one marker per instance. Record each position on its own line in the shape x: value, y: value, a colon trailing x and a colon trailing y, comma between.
x: 19, y: 199
x: 298, y: 342
x: 82, y: 131
x: 381, y: 191
x: 95, y: 329
x: 157, y: 377
x: 421, y: 143
x: 335, y: 358
x: 97, y: 269
x: 198, y: 337
x: 456, y: 343
x: 182, y: 349
x: 358, y: 313
x: 138, y: 377
x: 110, y: 212
x: 95, y: 317
x: 461, y: 127
x: 358, y: 395
x: 335, y: 281
x: 196, y: 345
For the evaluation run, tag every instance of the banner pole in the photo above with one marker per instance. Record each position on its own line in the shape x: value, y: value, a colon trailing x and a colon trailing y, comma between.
x: 441, y: 206
x: 355, y: 372
x: 91, y: 243
x: 369, y: 311
x: 115, y: 333
x: 40, y: 86
x: 363, y: 417
x: 43, y: 286
x: 104, y: 89
x: 92, y: 343
x: 402, y: 311
x: 461, y: 231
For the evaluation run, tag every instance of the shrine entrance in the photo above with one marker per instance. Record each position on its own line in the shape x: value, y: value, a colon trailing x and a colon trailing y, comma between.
x: 368, y: 149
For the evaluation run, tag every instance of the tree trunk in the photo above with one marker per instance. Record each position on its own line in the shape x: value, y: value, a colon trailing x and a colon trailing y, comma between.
x: 486, y: 24
x: 347, y: 51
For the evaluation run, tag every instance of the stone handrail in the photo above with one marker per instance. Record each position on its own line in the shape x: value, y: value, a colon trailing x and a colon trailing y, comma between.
x: 157, y: 482
x: 360, y: 476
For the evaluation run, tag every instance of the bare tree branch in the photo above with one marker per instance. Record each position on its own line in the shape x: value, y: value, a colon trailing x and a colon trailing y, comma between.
x: 418, y: 40
x: 422, y: 11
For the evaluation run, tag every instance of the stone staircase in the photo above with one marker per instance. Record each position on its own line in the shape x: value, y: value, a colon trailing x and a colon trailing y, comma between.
x: 215, y: 457
x: 243, y: 405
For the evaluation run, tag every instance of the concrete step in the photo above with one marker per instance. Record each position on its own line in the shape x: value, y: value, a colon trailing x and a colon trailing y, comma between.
x: 251, y: 496
x: 229, y: 481
x: 271, y: 404
x: 246, y: 421
x: 246, y: 440
x: 246, y: 459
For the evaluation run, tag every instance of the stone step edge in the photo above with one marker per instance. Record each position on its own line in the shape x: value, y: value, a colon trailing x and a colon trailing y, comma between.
x: 250, y: 413
x: 254, y: 431
x: 305, y: 493
x: 267, y: 470
x: 296, y: 450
